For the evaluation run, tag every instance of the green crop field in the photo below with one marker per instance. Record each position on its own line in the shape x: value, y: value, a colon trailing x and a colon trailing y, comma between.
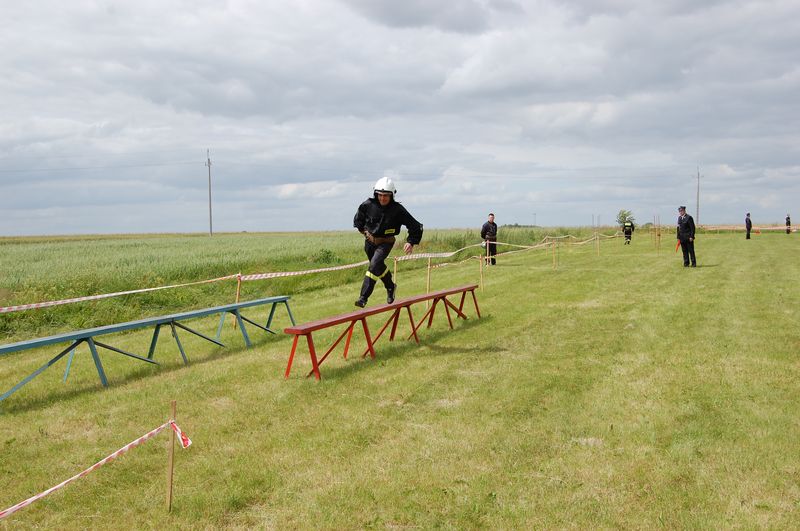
x: 615, y: 390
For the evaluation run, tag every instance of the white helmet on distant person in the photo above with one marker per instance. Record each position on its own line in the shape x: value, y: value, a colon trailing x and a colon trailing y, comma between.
x: 384, y: 185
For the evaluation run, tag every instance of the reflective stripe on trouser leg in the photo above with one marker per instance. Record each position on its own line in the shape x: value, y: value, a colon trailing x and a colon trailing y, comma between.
x: 367, y: 287
x: 378, y: 269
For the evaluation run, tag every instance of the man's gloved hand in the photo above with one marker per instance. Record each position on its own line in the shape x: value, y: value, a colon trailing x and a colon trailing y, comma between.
x: 370, y: 238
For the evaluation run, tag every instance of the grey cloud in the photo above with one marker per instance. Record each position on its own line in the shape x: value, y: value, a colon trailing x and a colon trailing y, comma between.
x: 466, y: 16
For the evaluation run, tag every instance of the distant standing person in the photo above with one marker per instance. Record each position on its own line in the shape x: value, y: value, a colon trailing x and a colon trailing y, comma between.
x: 379, y: 219
x: 748, y: 225
x: 627, y: 230
x: 685, y: 231
x: 489, y: 235
x: 788, y: 224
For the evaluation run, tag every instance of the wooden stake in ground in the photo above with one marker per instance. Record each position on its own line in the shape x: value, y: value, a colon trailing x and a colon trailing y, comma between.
x: 480, y: 265
x: 553, y: 247
x: 428, y: 283
x: 238, y: 291
x: 171, y: 458
x: 395, y: 269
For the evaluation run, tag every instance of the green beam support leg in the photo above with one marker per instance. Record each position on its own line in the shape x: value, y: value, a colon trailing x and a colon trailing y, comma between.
x: 40, y: 369
x: 153, y: 343
x: 271, y: 315
x: 97, y: 363
x: 245, y: 319
x: 178, y: 341
x: 198, y: 334
x: 221, y: 322
x: 69, y: 364
x: 241, y: 326
x: 289, y: 311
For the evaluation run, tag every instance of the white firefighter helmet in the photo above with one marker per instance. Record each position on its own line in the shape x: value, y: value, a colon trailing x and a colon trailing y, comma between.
x: 385, y: 184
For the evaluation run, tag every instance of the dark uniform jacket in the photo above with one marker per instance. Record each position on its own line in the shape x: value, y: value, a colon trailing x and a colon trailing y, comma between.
x: 383, y: 222
x: 627, y: 228
x: 489, y: 231
x: 685, y: 227
x: 748, y: 223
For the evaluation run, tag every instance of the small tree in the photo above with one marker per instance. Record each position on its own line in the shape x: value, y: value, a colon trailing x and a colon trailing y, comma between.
x: 623, y: 216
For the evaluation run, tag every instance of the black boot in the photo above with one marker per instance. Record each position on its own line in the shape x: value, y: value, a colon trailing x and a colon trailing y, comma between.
x: 390, y: 293
x: 366, y: 291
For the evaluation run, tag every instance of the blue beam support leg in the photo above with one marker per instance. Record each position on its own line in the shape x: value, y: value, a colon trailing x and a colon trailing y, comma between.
x: 97, y: 363
x: 178, y: 341
x: 153, y: 342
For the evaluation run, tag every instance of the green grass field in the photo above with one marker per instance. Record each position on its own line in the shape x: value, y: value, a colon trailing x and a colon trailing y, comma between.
x: 618, y: 390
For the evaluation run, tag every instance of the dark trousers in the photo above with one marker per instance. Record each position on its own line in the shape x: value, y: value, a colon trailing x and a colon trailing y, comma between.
x: 687, y: 247
x: 628, y: 239
x: 377, y: 270
x: 748, y: 235
x: 492, y: 251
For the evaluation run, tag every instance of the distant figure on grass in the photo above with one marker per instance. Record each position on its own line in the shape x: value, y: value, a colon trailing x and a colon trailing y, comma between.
x: 627, y: 230
x: 686, y: 236
x: 379, y: 219
x: 489, y: 236
x: 788, y: 224
x: 748, y: 225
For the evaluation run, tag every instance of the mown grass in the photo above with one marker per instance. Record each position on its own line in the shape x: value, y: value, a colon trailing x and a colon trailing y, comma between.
x: 619, y: 390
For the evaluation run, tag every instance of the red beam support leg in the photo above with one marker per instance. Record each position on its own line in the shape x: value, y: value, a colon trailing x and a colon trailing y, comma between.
x: 475, y: 300
x: 413, y: 326
x: 382, y: 330
x: 457, y: 310
x: 327, y: 352
x: 291, y: 357
x: 313, y: 353
x: 369, y: 340
x: 349, y: 337
x: 394, y: 324
x: 447, y: 311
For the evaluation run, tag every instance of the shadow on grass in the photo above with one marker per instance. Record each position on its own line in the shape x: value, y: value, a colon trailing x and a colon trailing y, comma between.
x: 401, y: 348
x: 141, y: 373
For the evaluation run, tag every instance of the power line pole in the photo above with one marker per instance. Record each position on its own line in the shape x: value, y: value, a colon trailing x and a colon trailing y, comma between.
x: 208, y: 163
x: 697, y: 210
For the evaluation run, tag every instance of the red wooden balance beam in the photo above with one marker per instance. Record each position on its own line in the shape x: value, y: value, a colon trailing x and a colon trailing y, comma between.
x: 395, y: 309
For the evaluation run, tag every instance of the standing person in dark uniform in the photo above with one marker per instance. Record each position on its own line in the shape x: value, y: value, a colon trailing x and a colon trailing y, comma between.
x: 379, y: 219
x: 627, y: 230
x: 489, y: 235
x: 686, y: 236
x: 748, y: 225
x: 788, y: 224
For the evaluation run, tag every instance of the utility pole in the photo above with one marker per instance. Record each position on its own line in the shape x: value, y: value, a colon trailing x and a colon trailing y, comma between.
x: 208, y: 163
x: 697, y: 210
x: 534, y: 219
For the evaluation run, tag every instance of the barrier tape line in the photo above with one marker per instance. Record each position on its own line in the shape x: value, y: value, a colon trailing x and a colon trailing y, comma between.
x: 278, y: 274
x: 184, y: 441
x: 37, y: 305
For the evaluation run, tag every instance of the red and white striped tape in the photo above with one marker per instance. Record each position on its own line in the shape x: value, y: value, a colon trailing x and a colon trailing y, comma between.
x: 36, y: 305
x: 185, y: 442
x: 417, y: 256
x: 279, y: 274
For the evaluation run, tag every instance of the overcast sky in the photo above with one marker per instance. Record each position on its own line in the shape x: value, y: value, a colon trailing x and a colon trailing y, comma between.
x: 545, y: 111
